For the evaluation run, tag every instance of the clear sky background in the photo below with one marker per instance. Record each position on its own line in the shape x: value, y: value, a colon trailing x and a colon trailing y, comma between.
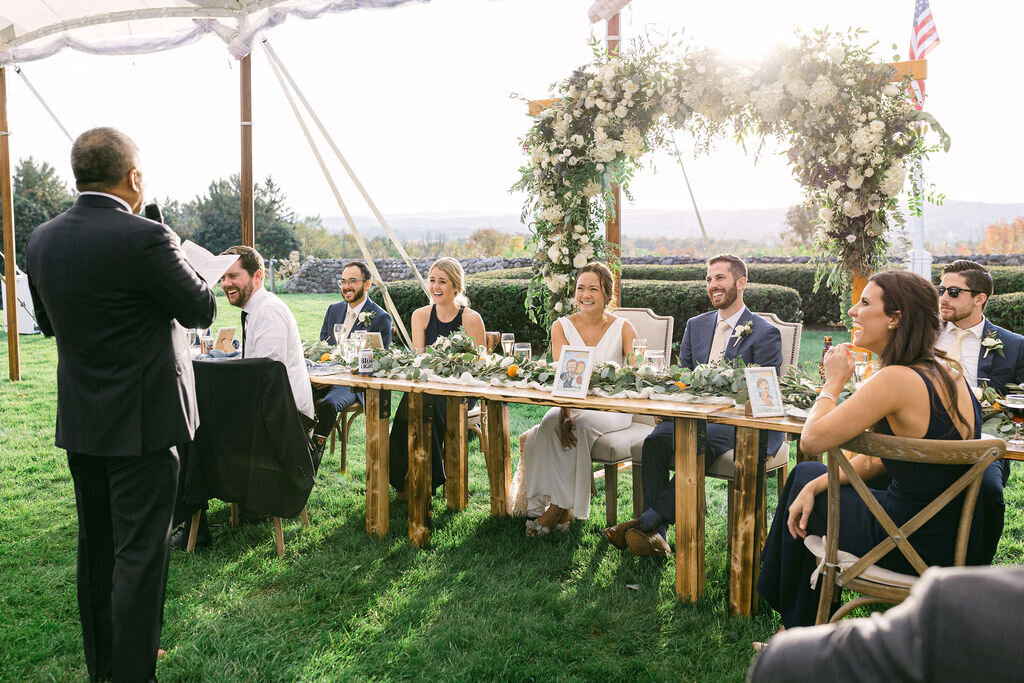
x: 417, y: 98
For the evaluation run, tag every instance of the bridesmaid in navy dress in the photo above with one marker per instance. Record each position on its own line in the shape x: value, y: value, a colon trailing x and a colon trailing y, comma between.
x: 448, y: 312
x: 917, y: 393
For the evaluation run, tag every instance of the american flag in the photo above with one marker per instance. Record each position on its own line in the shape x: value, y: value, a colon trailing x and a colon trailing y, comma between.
x: 923, y: 40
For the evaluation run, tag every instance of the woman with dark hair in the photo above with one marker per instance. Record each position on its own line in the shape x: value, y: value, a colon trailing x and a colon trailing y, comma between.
x: 917, y: 393
x: 557, y: 465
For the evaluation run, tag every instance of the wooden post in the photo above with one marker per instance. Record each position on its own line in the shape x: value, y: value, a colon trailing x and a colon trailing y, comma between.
x: 377, y: 412
x: 7, y: 201
x: 689, y: 512
x: 248, y: 210
x: 421, y: 409
x: 498, y: 456
x: 613, y: 228
x: 456, y: 454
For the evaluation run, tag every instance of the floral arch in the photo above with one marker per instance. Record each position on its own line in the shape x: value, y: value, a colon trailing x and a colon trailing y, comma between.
x: 850, y: 135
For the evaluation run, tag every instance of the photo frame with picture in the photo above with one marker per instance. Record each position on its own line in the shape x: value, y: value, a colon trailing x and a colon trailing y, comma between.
x: 572, y: 376
x: 764, y: 392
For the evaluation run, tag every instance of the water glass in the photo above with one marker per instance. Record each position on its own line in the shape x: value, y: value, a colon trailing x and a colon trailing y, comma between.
x: 656, y: 358
x: 339, y: 332
x: 192, y: 334
x: 522, y: 350
x: 508, y: 340
x: 639, y: 349
x: 206, y: 344
x: 1014, y: 404
x: 491, y: 340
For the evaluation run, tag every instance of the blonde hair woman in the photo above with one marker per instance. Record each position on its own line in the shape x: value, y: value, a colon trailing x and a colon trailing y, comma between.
x: 448, y: 311
x: 557, y: 465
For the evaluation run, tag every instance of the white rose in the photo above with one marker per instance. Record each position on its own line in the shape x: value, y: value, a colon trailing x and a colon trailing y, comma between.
x: 851, y: 238
x: 579, y: 261
x: 877, y: 126
x: 565, y: 250
x: 553, y: 253
x: 577, y: 139
x: 854, y: 181
x: 824, y: 214
x: 868, y: 172
x: 836, y: 54
x: 890, y: 91
x: 573, y: 161
x: 558, y: 307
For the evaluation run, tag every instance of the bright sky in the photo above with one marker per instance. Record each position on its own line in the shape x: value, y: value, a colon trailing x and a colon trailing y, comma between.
x: 417, y: 98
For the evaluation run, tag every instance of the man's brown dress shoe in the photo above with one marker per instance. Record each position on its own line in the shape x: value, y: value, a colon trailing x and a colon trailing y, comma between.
x: 646, y: 544
x: 616, y: 535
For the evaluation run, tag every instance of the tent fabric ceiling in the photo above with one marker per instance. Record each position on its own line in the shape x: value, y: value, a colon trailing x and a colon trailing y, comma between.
x: 35, y: 29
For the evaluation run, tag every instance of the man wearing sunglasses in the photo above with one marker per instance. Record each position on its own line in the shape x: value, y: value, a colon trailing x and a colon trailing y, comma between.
x: 356, y: 313
x: 963, y: 292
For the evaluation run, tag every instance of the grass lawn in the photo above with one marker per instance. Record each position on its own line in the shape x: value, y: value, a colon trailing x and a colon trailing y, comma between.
x: 482, y: 602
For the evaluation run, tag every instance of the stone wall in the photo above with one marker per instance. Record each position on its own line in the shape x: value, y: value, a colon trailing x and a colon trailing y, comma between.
x: 322, y: 275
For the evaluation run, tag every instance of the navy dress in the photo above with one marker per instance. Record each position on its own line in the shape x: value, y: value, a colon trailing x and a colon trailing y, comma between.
x: 787, y: 564
x: 398, y: 460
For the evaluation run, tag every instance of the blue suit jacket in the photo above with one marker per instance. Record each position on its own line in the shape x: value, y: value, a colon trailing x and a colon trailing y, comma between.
x: 336, y: 316
x: 763, y: 346
x: 998, y: 369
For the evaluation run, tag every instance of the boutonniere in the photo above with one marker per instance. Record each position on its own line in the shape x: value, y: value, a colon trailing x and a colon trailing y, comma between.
x: 366, y: 317
x: 743, y: 330
x: 992, y: 342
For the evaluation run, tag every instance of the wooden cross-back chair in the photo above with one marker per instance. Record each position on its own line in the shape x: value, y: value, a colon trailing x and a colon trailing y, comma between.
x: 860, y: 574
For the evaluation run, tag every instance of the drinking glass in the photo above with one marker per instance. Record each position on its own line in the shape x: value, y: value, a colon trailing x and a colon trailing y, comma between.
x: 206, y: 344
x: 359, y: 337
x: 522, y: 350
x: 656, y: 358
x: 192, y: 334
x: 1014, y: 403
x: 508, y: 341
x: 862, y: 368
x: 491, y: 340
x: 339, y: 332
x: 639, y: 349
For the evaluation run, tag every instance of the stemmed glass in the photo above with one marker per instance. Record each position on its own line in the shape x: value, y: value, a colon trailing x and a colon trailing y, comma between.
x: 1014, y: 403
x: 339, y: 333
x: 491, y: 339
x: 508, y: 341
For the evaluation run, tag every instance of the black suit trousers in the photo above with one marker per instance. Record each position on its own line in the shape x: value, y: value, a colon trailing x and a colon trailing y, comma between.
x: 124, y: 506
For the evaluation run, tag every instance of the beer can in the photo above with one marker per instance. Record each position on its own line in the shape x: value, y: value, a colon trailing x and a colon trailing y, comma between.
x: 365, y: 361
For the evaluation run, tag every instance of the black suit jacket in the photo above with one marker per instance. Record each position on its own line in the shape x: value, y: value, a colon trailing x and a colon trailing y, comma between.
x: 336, y: 313
x: 109, y: 286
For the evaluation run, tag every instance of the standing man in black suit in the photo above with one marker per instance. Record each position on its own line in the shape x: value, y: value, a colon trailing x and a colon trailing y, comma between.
x: 356, y: 312
x: 100, y: 276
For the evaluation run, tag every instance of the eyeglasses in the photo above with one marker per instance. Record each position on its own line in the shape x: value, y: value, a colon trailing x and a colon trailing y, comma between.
x: 954, y: 292
x: 351, y: 282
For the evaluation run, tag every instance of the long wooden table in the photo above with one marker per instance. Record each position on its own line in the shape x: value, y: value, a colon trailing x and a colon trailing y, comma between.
x: 689, y: 467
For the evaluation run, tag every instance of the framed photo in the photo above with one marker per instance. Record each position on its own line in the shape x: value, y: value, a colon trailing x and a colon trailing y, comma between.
x: 225, y: 339
x: 763, y: 388
x: 375, y: 340
x: 572, y: 377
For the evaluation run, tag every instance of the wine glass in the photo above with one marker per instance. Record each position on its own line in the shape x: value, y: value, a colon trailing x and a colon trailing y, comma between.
x: 491, y: 341
x: 861, y: 367
x: 508, y: 341
x: 339, y: 332
x: 522, y: 350
x: 1014, y: 404
x: 639, y: 348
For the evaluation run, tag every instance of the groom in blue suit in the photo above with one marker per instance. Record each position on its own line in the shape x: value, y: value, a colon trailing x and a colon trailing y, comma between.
x: 730, y: 331
x: 356, y: 313
x: 986, y: 353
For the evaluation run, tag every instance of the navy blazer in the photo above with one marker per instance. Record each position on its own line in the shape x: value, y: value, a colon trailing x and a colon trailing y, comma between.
x: 763, y: 347
x: 336, y: 316
x: 1005, y: 368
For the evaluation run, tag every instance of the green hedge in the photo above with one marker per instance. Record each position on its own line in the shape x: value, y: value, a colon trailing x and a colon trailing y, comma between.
x: 1005, y: 279
x: 821, y: 307
x: 500, y: 302
x: 1007, y: 310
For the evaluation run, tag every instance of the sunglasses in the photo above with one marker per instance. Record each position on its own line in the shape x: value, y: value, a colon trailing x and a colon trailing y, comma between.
x: 954, y: 292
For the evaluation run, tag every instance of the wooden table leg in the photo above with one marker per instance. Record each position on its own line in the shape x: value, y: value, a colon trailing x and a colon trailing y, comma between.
x: 456, y: 454
x: 377, y: 410
x: 742, y: 531
x: 689, y: 512
x: 420, y: 419
x: 499, y: 456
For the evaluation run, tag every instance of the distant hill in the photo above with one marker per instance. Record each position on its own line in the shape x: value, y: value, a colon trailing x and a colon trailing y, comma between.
x: 950, y: 222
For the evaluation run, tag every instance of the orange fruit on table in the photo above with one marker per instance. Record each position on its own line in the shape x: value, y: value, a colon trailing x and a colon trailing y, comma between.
x: 324, y: 358
x: 513, y: 370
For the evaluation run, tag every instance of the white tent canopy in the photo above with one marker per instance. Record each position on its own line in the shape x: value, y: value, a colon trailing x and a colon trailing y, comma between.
x: 35, y: 29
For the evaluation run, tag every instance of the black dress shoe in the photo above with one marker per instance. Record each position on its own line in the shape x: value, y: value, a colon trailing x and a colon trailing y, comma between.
x: 179, y: 539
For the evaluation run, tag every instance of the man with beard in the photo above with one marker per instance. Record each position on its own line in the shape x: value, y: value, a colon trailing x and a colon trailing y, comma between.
x: 356, y: 313
x: 988, y: 354
x: 730, y: 331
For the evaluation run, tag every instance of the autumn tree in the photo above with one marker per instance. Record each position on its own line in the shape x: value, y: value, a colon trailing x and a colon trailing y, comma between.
x: 1004, y: 238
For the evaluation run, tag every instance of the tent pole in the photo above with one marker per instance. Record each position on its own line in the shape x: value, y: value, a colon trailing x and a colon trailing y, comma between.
x: 7, y: 209
x: 613, y: 227
x: 245, y: 89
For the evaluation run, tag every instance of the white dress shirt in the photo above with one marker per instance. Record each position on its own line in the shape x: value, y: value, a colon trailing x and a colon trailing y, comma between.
x: 970, y: 348
x: 271, y: 332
